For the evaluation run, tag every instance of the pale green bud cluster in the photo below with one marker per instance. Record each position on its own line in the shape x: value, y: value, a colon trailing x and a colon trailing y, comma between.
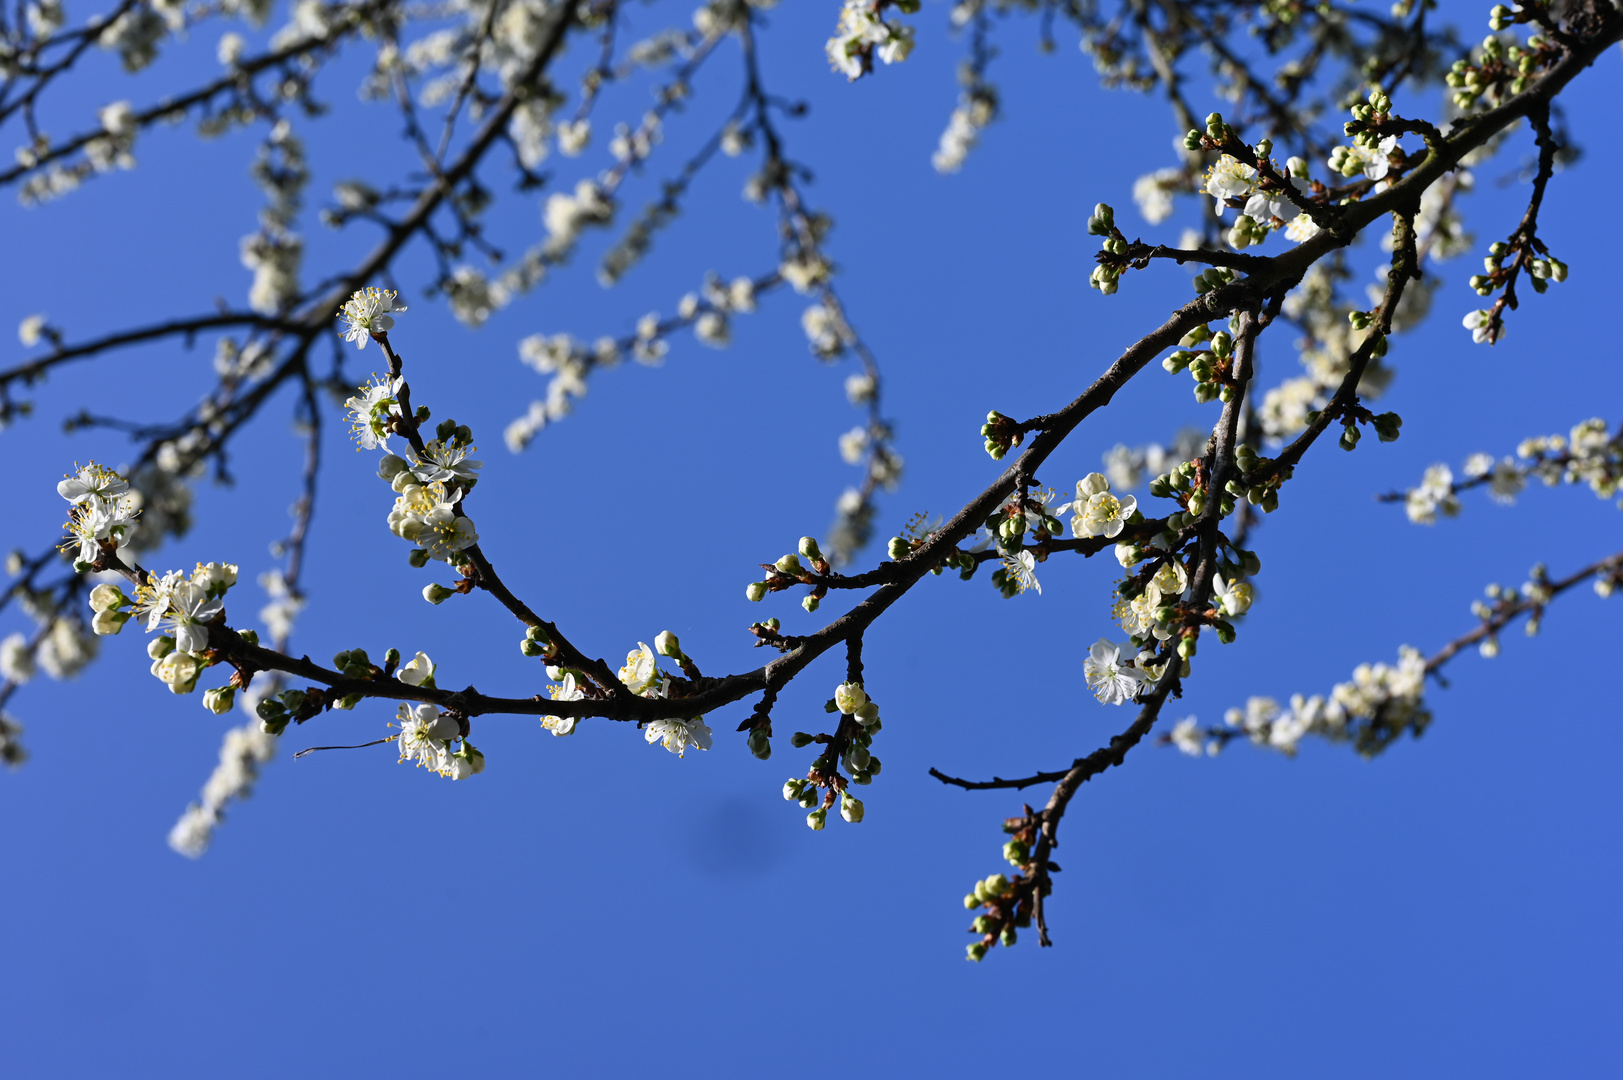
x: 1213, y: 277
x: 1001, y: 433
x: 1246, y: 231
x: 1105, y: 277
x: 1207, y: 367
x: 1103, y: 221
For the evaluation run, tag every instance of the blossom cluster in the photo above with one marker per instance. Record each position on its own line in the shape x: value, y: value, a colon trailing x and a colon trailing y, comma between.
x: 101, y: 515
x: 185, y: 606
x: 864, y: 34
x: 1371, y: 710
x: 242, y: 752
x: 432, y: 739
x: 1589, y: 453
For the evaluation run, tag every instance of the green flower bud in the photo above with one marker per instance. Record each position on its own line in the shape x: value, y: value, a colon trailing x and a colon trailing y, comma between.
x: 801, y: 739
x: 531, y: 648
x: 809, y: 548
x: 789, y: 564
x: 760, y: 744
x: 220, y: 700
x: 899, y: 547
x: 817, y: 819
x: 755, y: 591
x: 1008, y: 937
x: 435, y: 593
x: 976, y: 951
x: 810, y: 603
x: 970, y: 903
x: 791, y: 789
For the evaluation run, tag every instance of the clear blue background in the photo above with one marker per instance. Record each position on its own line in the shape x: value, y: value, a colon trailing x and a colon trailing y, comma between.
x: 596, y: 907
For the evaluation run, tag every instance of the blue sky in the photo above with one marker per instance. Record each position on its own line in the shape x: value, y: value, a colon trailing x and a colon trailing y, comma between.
x: 593, y: 906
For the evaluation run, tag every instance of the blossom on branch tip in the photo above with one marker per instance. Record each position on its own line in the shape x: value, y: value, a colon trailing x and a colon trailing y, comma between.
x: 1480, y: 323
x: 1230, y: 178
x: 442, y: 462
x: 425, y: 735
x: 1113, y: 680
x: 641, y: 673
x: 565, y: 691
x: 1096, y: 511
x: 366, y: 313
x: 92, y: 482
x: 1235, y: 597
x: 371, y: 411
x: 678, y: 735
x: 419, y: 671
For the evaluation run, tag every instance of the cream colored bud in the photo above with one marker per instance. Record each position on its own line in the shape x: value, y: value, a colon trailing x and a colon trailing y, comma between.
x: 108, y: 622
x: 106, y: 597
x: 849, y: 697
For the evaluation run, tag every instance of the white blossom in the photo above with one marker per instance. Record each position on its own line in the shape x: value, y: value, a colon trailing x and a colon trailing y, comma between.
x: 1114, y: 681
x: 16, y: 659
x: 678, y: 735
x: 367, y: 312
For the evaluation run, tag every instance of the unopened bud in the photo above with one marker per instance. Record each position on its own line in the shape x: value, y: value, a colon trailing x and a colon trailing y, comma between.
x: 755, y: 590
x: 666, y: 644
x: 809, y: 548
x: 106, y: 597
x: 390, y: 467
x: 220, y: 700
x: 108, y: 622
